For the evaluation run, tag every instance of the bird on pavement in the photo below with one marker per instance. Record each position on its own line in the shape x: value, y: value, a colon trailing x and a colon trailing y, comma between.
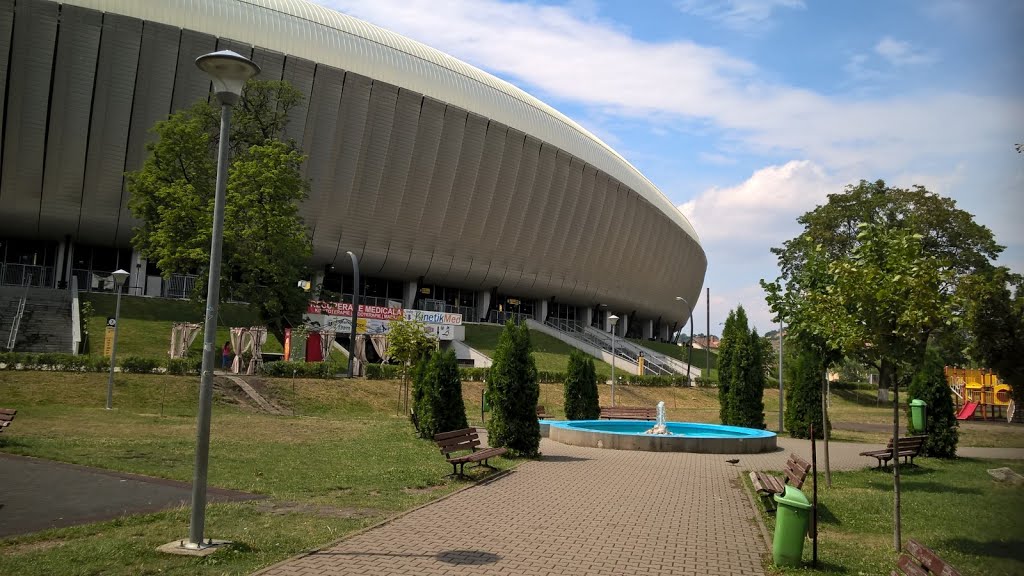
x: 733, y: 461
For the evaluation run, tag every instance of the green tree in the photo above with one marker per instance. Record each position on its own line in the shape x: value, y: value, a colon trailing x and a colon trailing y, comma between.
x: 581, y: 396
x: 512, y: 392
x: 266, y: 244
x: 438, y: 396
x: 741, y: 373
x: 930, y: 385
x: 803, y: 392
x: 996, y: 320
x: 408, y: 343
x: 729, y: 349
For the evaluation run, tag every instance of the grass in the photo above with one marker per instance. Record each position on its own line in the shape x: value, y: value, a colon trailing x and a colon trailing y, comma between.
x: 681, y: 353
x: 953, y: 507
x: 551, y: 354
x: 146, y: 323
x: 344, y: 461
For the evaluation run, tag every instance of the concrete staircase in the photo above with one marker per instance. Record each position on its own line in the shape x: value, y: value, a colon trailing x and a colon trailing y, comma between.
x: 46, y: 323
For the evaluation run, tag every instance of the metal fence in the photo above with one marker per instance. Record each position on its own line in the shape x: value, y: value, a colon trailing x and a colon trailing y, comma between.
x: 26, y: 275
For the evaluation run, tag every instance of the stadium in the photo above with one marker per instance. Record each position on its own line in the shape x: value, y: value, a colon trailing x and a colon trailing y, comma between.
x: 457, y: 191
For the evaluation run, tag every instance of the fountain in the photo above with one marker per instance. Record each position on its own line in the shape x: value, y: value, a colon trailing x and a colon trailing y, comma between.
x: 659, y: 424
x: 663, y: 436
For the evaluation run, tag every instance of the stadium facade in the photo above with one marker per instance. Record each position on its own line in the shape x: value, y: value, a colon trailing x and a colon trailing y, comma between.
x: 458, y: 191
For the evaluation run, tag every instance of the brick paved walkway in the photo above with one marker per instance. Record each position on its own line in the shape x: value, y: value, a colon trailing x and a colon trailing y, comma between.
x: 580, y: 511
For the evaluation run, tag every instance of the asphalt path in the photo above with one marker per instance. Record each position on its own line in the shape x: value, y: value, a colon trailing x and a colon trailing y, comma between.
x: 40, y: 494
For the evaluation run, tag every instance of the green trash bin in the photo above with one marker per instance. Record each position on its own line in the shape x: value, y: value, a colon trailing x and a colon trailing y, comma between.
x: 792, y: 515
x: 918, y: 415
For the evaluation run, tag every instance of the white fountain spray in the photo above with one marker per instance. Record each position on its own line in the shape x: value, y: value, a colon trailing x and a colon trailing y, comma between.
x: 659, y: 424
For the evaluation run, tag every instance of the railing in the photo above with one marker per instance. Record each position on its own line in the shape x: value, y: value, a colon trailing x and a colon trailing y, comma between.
x: 178, y: 286
x: 26, y: 275
x: 623, y: 348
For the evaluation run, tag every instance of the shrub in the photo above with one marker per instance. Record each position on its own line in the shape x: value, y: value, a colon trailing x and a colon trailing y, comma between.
x: 473, y: 374
x: 549, y: 377
x: 581, y: 397
x: 437, y: 395
x: 382, y: 372
x: 512, y: 391
x: 289, y: 369
x: 741, y: 373
x: 99, y: 363
x: 803, y: 394
x: 139, y: 365
x: 184, y: 366
x: 941, y: 426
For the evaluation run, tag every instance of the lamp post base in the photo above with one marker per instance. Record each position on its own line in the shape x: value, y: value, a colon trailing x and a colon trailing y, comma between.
x: 186, y: 548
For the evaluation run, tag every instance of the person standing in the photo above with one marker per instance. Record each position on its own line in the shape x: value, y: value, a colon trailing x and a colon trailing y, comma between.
x: 226, y: 354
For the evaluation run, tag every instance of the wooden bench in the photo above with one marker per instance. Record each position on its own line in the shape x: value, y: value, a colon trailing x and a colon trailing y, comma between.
x: 920, y: 561
x: 794, y: 475
x: 541, y: 414
x: 628, y: 413
x: 462, y: 441
x: 6, y: 417
x: 909, y: 448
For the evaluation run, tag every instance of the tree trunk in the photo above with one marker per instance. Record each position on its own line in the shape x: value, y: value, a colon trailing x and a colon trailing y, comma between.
x: 824, y: 426
x: 896, y: 539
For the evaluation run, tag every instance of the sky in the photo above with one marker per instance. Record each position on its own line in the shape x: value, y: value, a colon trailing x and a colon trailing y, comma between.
x: 748, y: 113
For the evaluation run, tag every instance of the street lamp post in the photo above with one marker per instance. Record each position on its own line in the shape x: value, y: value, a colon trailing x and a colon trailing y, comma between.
x: 689, y: 353
x: 119, y: 277
x: 780, y: 375
x: 355, y: 315
x: 229, y: 71
x: 613, y: 320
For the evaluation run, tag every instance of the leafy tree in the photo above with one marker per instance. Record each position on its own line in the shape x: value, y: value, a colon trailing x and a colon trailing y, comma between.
x: 996, y: 319
x: 728, y: 350
x: 408, y: 342
x: 581, y: 396
x: 512, y: 392
x: 930, y: 385
x: 266, y: 244
x: 439, y: 395
x: 803, y: 394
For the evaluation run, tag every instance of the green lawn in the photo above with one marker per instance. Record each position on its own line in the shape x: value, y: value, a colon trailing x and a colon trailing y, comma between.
x: 343, y: 462
x: 953, y: 507
x: 681, y: 353
x: 551, y: 354
x: 146, y: 324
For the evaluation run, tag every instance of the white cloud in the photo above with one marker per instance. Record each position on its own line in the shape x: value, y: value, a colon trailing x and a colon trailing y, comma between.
x: 761, y: 210
x: 900, y: 53
x: 744, y: 15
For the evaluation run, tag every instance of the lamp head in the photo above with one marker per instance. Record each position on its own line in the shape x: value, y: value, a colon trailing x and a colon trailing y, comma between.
x: 228, y: 70
x: 119, y: 277
x: 613, y: 319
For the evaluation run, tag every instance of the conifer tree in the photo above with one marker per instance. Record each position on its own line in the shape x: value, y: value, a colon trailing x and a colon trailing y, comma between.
x: 803, y: 393
x: 941, y: 426
x: 581, y: 402
x: 512, y: 391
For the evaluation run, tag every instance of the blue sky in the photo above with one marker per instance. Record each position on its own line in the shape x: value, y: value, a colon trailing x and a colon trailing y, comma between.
x: 747, y: 113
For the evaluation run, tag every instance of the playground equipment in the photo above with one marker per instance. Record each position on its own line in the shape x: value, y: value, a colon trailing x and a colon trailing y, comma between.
x: 978, y: 393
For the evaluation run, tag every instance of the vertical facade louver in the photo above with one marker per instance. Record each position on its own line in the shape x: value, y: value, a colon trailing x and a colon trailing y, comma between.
x: 422, y: 165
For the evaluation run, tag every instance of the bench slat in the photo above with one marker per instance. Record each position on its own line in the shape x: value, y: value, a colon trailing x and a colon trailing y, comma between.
x: 910, y: 567
x: 930, y: 560
x: 454, y: 433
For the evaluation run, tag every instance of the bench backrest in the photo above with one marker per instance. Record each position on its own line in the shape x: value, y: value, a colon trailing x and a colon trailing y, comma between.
x: 7, y: 415
x: 457, y: 440
x: 796, y: 470
x: 920, y: 560
x: 909, y: 442
x: 629, y: 413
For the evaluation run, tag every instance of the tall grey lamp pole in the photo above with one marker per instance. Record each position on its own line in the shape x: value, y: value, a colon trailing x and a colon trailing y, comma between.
x: 119, y: 277
x: 689, y: 354
x: 229, y: 71
x: 780, y: 374
x: 355, y: 314
x: 613, y: 320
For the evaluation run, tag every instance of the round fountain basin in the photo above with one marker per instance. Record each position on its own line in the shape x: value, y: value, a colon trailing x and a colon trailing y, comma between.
x: 685, y: 437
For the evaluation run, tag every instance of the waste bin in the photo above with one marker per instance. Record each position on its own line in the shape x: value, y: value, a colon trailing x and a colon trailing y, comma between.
x: 792, y: 515
x: 918, y: 415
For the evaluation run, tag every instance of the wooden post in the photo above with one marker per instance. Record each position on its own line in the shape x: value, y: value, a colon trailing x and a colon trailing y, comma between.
x: 814, y: 501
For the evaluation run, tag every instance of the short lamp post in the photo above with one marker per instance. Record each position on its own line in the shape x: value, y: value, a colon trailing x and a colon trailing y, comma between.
x: 689, y: 354
x: 119, y: 277
x: 229, y: 71
x: 613, y: 320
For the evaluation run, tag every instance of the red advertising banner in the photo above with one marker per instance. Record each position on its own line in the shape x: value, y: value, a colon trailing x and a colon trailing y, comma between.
x: 345, y: 309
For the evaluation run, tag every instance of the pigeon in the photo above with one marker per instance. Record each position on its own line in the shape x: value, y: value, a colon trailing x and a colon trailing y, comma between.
x: 733, y: 461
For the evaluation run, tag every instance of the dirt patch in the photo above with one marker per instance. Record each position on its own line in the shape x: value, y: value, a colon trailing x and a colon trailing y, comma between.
x: 425, y: 490
x: 30, y: 547
x: 281, y: 508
